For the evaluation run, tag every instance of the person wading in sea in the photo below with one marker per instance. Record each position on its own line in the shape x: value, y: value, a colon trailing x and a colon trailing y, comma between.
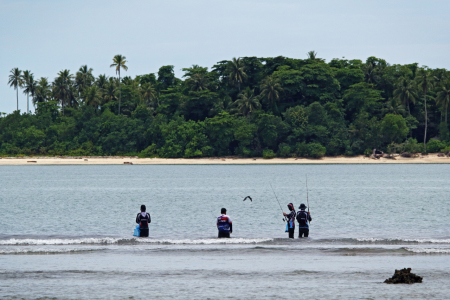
x: 291, y: 220
x: 303, y: 218
x: 143, y: 219
x: 224, y: 224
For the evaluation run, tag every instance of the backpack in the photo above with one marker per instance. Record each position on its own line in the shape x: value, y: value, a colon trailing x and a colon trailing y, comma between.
x: 144, y: 221
x: 302, y: 218
x: 223, y: 224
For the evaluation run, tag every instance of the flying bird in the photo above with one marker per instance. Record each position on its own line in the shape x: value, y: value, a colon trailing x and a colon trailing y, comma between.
x: 248, y: 198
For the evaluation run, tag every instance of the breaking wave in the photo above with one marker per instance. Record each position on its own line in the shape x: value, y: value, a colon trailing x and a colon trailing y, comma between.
x: 428, y: 250
x: 47, y: 250
x: 403, y: 241
x: 107, y: 240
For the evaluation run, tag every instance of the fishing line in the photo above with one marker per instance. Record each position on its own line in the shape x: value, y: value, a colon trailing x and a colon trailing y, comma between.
x: 284, y: 219
x: 307, y: 198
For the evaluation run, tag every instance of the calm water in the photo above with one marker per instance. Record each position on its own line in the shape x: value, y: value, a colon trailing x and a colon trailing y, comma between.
x: 66, y: 231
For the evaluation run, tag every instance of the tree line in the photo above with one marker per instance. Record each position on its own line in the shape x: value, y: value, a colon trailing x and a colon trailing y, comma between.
x: 248, y: 106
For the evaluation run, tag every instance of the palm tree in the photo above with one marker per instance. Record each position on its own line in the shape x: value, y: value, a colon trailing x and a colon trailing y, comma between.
x: 101, y: 81
x: 312, y: 55
x: 406, y: 92
x: 270, y: 91
x: 42, y: 92
x: 425, y: 82
x: 63, y: 88
x: 84, y: 78
x: 119, y: 62
x: 236, y: 71
x: 197, y: 82
x: 73, y: 97
x: 394, y: 106
x: 247, y: 102
x: 109, y: 92
x: 443, y: 97
x: 92, y: 96
x: 149, y: 94
x: 15, y: 80
x: 29, y: 85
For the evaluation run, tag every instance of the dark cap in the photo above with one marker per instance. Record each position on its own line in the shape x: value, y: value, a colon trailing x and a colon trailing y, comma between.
x: 302, y: 206
x: 143, y: 208
x: 223, y: 211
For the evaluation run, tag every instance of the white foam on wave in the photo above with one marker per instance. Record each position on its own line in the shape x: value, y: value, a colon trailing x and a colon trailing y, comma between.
x: 429, y: 250
x: 205, y: 241
x: 432, y: 241
x: 59, y: 241
x: 107, y: 240
x: 45, y: 250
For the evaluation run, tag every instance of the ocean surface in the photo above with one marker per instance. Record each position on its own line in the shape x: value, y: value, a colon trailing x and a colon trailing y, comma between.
x: 66, y: 232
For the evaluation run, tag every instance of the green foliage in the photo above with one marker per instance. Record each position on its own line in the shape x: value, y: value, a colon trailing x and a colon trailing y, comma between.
x: 284, y: 150
x: 249, y: 106
x: 434, y: 146
x: 314, y: 150
x: 268, y: 153
x: 150, y: 151
x: 368, y: 152
x: 393, y: 128
x: 444, y: 133
x: 412, y: 146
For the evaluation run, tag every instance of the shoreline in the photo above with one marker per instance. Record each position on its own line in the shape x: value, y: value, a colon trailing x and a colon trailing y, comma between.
x: 133, y: 160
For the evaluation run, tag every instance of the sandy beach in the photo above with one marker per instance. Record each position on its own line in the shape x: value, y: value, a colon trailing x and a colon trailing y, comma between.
x: 127, y: 160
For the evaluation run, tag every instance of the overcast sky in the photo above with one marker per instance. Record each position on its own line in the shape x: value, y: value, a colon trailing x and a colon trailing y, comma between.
x: 48, y: 36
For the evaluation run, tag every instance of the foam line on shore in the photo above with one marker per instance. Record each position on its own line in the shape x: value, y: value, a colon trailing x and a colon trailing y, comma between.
x: 108, y: 240
x: 428, y: 250
x: 9, y: 251
x: 400, y: 240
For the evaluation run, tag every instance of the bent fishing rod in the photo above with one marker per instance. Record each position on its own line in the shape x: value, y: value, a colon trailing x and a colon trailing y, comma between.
x: 307, y: 199
x: 284, y: 219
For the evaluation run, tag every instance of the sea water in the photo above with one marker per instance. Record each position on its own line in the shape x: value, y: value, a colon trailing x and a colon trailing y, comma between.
x: 66, y: 231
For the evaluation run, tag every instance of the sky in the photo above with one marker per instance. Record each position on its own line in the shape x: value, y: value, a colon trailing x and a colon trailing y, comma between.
x: 46, y: 37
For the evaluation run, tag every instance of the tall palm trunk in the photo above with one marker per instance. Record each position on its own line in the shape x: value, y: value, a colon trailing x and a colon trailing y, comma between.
x: 446, y: 110
x: 426, y: 121
x: 120, y: 92
x: 17, y: 94
x: 28, y: 103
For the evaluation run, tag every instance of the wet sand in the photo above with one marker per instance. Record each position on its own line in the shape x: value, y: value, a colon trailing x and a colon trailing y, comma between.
x: 121, y: 160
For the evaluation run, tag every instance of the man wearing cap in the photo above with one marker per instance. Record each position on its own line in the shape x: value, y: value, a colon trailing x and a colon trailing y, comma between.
x: 224, y: 224
x: 303, y: 219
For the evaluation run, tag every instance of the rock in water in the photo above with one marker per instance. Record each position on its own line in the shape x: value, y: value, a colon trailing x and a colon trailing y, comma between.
x: 404, y: 276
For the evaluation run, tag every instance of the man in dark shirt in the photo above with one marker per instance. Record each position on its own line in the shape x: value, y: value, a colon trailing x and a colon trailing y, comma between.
x: 303, y: 218
x: 143, y: 219
x: 224, y: 224
x: 291, y: 220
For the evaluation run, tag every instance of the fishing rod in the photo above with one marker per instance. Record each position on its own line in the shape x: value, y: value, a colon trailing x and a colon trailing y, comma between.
x: 284, y: 219
x: 307, y: 199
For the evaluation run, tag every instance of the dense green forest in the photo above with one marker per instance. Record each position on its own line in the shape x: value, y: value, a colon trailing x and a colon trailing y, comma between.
x: 247, y: 106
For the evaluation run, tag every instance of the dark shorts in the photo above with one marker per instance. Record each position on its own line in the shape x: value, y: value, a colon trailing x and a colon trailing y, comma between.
x: 224, y: 234
x: 303, y: 231
x: 144, y: 232
x: 291, y: 233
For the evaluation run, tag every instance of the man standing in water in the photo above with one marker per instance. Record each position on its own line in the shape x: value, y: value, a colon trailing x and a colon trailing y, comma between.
x: 303, y: 218
x: 291, y: 220
x: 224, y: 224
x: 143, y: 219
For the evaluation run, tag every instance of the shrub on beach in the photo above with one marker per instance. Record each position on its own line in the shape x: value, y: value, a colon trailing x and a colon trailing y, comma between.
x: 434, y: 146
x: 314, y: 150
x: 284, y: 150
x: 268, y: 153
